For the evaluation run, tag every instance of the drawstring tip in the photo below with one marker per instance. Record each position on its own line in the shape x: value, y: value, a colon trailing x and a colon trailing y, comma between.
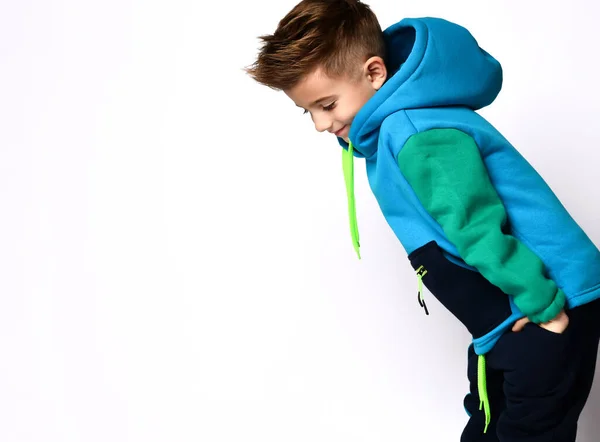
x: 487, y: 417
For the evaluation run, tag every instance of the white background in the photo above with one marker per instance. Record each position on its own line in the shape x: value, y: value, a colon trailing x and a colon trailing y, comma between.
x: 175, y: 257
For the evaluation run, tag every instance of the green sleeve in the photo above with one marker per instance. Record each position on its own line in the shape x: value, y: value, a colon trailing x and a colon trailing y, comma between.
x: 445, y: 169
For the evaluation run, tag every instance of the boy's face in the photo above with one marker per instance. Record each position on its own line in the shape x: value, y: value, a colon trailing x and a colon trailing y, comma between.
x: 333, y: 102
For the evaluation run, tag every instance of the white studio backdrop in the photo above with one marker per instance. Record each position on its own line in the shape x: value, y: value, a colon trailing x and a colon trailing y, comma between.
x: 175, y: 258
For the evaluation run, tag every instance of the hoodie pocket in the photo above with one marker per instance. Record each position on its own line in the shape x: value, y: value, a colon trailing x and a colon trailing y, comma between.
x: 472, y: 299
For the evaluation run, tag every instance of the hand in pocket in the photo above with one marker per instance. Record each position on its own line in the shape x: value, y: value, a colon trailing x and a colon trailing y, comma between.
x: 557, y: 325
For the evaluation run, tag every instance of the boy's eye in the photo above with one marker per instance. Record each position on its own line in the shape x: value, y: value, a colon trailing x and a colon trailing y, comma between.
x: 329, y: 107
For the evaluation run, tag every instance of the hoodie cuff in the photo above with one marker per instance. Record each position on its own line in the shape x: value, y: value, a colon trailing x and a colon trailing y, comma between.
x: 551, y: 311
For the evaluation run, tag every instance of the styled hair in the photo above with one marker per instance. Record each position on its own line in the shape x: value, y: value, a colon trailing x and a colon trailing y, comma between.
x: 334, y: 35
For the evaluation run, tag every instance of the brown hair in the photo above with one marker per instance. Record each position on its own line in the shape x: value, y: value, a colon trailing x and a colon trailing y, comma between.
x: 331, y: 34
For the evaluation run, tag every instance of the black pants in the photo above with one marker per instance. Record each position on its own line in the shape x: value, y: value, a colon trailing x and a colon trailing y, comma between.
x: 538, y: 381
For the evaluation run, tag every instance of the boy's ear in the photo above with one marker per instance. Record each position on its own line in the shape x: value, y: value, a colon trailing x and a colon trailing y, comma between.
x: 375, y: 71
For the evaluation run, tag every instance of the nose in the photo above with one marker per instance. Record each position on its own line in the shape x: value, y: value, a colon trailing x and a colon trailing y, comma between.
x: 322, y: 122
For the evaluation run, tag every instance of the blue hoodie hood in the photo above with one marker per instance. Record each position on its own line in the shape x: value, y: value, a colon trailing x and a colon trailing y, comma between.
x: 431, y: 62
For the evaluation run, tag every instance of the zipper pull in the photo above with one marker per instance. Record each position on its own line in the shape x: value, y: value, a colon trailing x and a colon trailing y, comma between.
x: 421, y: 272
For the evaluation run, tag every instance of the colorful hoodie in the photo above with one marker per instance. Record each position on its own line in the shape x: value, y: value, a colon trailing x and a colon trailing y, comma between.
x: 442, y: 174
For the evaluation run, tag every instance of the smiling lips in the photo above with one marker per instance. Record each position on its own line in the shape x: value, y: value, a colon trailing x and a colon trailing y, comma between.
x: 339, y: 132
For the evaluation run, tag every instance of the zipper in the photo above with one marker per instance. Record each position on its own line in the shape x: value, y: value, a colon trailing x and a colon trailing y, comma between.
x: 421, y: 272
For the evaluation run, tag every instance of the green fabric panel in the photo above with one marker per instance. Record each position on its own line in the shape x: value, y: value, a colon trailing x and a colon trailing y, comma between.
x: 446, y: 171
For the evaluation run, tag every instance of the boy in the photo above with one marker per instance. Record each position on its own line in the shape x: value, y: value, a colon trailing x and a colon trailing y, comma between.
x: 483, y: 231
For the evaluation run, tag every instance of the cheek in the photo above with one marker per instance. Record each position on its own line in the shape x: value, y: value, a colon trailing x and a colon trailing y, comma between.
x: 346, y: 113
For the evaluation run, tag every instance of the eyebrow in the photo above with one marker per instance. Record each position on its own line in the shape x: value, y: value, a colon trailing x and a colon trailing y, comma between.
x: 329, y: 97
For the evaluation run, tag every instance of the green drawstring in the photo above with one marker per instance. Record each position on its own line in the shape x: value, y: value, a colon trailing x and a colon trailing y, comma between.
x: 482, y: 390
x: 348, y: 165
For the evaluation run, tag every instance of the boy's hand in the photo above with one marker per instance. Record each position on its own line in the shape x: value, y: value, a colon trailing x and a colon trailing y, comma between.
x: 556, y: 325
